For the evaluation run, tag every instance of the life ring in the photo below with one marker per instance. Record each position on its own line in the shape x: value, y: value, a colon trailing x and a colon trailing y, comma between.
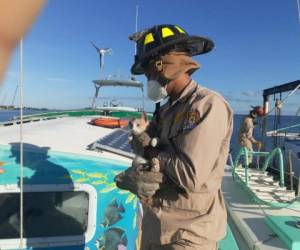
x: 110, y: 122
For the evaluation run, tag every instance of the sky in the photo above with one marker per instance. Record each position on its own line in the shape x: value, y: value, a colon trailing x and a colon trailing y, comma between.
x: 257, y: 46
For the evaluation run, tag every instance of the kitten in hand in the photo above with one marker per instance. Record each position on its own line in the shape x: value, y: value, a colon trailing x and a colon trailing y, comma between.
x: 144, y: 145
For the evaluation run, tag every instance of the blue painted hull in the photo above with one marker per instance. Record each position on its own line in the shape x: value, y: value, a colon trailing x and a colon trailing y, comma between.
x: 43, y: 167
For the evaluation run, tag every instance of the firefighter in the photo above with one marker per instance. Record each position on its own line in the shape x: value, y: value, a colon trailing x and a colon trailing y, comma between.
x: 183, y: 206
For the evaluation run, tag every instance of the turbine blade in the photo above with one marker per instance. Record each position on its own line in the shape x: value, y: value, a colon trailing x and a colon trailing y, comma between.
x: 95, y: 46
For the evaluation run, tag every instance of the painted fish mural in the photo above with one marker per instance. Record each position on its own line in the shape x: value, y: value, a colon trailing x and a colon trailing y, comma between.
x: 110, y: 228
x: 113, y: 239
x: 2, y: 171
x: 113, y: 213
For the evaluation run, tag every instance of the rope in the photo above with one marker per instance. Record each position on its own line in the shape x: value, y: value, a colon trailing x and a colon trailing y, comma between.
x: 285, y: 128
x: 269, y: 206
x: 279, y: 105
x: 21, y: 143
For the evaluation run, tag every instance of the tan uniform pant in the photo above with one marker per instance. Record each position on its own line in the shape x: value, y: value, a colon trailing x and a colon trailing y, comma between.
x: 150, y: 236
x: 248, y: 144
x: 185, y: 246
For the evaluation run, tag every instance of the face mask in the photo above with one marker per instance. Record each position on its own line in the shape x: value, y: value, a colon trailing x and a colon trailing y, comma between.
x: 155, y: 91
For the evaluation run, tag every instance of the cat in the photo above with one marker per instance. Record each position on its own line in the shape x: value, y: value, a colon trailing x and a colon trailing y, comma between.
x: 143, y: 145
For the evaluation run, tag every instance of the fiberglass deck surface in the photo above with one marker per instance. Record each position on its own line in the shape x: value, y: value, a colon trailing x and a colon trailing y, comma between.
x: 68, y: 134
x: 250, y: 217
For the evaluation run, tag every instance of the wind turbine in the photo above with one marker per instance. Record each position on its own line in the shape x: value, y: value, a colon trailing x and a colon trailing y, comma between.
x: 102, y: 52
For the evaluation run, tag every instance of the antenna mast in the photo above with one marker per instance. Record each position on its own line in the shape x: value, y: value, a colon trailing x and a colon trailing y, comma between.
x: 298, y: 7
x: 136, y: 24
x: 135, y: 49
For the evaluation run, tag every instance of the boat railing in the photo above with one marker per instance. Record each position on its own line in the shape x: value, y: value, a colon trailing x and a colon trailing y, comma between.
x: 245, y: 153
x: 291, y: 156
x: 276, y: 152
x: 284, y: 130
x: 30, y: 119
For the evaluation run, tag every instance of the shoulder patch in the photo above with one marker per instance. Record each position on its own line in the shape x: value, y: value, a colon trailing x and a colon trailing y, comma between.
x: 192, y: 120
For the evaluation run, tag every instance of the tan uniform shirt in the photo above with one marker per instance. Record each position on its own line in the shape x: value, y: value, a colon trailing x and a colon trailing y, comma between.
x: 246, y: 133
x: 195, y: 133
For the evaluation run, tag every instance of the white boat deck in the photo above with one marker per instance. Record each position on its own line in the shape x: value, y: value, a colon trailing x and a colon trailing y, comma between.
x: 74, y: 134
x: 249, y: 218
x: 67, y: 134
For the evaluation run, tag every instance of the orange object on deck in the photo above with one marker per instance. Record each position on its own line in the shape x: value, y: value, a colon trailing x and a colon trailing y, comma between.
x: 110, y: 122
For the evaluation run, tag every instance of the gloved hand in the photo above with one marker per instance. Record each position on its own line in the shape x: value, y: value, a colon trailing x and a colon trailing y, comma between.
x: 259, y: 145
x: 139, y: 180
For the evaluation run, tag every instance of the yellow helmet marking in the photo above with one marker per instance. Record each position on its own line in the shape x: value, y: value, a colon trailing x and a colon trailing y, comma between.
x: 148, y: 38
x: 166, y: 32
x: 180, y: 29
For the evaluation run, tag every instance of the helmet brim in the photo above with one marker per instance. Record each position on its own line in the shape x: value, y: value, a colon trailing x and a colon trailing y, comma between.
x: 196, y: 45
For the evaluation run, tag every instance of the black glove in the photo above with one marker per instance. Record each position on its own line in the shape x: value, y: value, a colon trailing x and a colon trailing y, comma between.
x: 139, y: 180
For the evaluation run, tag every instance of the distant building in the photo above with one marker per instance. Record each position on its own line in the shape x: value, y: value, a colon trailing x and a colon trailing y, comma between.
x: 6, y: 107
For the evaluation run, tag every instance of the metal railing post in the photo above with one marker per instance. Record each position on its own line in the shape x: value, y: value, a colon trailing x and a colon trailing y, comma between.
x: 276, y: 151
x: 291, y: 173
x: 243, y: 151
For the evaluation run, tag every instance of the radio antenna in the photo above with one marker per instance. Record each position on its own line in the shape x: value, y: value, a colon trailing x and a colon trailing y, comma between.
x: 136, y: 24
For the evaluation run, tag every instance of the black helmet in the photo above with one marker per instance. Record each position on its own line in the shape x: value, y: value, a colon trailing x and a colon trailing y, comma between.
x: 163, y: 38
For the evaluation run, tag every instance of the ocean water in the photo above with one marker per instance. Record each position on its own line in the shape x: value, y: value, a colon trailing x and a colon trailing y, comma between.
x: 285, y: 121
x: 7, y: 115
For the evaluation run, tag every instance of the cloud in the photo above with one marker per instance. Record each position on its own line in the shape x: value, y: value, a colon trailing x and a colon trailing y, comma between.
x: 234, y: 99
x: 59, y: 80
x: 251, y: 93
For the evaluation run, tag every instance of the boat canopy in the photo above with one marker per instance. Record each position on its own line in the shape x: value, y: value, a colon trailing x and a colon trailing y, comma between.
x: 277, y: 92
x: 116, y: 83
x: 280, y: 88
x: 119, y: 83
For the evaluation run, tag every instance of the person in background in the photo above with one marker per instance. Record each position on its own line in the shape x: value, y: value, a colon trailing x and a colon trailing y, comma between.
x: 246, y: 138
x: 184, y: 206
x: 15, y: 19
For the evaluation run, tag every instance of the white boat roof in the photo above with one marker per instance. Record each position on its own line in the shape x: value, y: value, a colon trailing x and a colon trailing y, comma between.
x: 117, y: 108
x: 119, y: 83
x: 66, y: 134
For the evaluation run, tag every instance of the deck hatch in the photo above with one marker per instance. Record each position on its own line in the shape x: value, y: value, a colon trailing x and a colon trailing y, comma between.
x: 46, y: 214
x: 54, y: 215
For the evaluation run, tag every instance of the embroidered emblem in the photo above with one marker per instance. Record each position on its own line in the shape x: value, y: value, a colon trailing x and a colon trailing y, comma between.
x: 178, y: 117
x: 192, y: 120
